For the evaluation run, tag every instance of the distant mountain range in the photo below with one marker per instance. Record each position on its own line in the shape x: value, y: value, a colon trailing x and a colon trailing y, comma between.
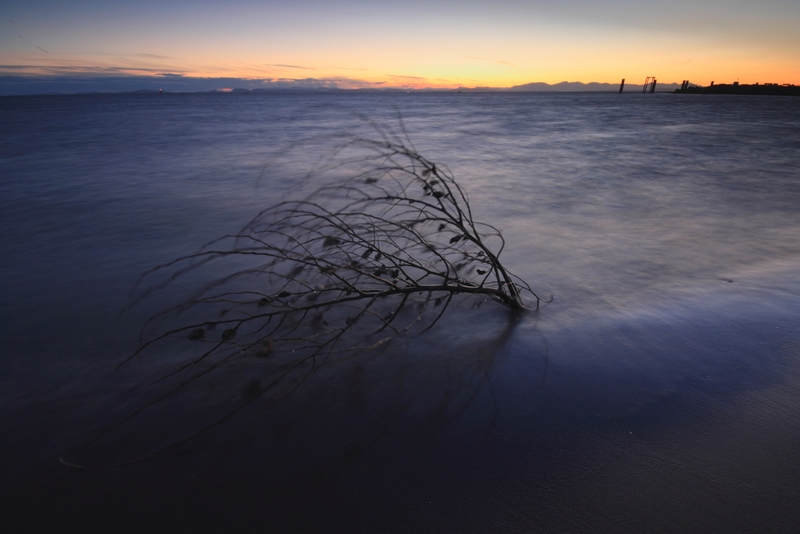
x: 535, y: 87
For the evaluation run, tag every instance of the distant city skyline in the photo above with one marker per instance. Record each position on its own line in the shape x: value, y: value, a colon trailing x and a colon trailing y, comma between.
x: 406, y: 45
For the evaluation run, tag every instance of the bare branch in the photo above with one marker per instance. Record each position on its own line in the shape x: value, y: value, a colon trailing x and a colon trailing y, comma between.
x: 348, y: 268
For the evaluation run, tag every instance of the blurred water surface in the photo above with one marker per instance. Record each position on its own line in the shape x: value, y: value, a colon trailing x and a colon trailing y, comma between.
x: 658, y: 391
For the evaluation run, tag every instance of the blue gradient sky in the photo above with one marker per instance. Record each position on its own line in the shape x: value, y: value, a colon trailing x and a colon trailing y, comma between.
x: 355, y: 43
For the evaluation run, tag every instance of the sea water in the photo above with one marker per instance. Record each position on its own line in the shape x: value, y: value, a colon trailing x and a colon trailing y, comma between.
x: 657, y: 391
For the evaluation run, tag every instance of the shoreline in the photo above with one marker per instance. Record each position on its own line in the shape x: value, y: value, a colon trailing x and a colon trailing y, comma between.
x: 771, y: 89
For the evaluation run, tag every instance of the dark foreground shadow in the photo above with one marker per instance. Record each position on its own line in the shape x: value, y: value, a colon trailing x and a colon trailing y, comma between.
x: 347, y: 429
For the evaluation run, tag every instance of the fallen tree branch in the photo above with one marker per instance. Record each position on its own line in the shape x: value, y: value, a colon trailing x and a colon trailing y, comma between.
x: 349, y: 268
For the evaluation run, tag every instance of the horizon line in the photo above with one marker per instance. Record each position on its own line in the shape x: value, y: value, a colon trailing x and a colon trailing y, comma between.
x: 30, y: 85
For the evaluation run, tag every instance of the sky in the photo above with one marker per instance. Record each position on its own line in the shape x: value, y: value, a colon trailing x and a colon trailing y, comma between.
x: 404, y: 44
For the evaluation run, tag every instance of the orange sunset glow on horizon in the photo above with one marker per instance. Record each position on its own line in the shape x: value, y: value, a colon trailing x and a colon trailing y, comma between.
x: 353, y: 44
